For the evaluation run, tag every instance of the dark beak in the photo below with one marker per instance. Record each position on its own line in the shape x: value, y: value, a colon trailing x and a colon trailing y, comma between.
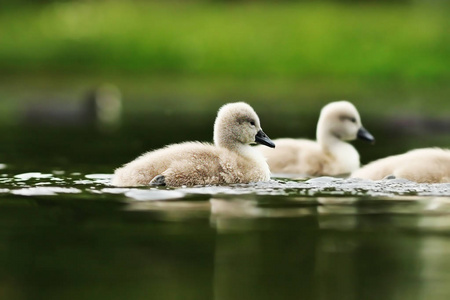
x: 263, y: 139
x: 364, y: 135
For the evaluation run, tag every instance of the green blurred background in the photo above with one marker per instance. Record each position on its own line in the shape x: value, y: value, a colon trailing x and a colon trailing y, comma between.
x: 176, y: 62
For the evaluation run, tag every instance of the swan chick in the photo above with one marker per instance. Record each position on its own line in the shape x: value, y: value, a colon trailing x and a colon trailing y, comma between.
x: 330, y: 155
x: 425, y: 165
x: 230, y: 159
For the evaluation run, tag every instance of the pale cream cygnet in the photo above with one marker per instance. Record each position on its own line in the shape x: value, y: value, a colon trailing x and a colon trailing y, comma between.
x: 426, y: 165
x: 230, y: 160
x: 330, y: 154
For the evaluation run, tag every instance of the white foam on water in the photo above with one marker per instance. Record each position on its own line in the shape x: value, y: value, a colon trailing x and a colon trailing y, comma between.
x: 99, y: 176
x: 45, y: 191
x: 30, y: 175
x: 85, y: 181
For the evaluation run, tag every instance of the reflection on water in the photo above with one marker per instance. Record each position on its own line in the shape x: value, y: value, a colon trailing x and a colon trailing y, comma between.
x: 71, y: 235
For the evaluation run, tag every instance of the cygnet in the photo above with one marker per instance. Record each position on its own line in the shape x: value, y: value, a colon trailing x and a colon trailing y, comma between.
x: 330, y: 155
x: 229, y: 160
x: 426, y: 165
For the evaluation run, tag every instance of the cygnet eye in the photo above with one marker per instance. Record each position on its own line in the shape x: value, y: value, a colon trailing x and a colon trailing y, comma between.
x: 252, y: 123
x: 353, y: 120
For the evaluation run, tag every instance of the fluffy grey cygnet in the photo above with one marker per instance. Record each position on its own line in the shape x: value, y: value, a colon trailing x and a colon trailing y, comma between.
x: 426, y: 165
x: 230, y: 159
x: 330, y: 155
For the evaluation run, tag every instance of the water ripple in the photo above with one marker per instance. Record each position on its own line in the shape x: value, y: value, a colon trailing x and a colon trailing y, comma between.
x: 58, y: 182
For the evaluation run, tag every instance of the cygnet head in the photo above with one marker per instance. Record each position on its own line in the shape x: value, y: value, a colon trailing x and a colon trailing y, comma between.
x: 238, y: 124
x: 341, y: 120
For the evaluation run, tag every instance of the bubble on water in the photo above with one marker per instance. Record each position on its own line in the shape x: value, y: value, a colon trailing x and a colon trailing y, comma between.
x: 95, y: 178
x: 5, y: 180
x: 83, y: 182
x: 45, y: 191
x: 30, y: 175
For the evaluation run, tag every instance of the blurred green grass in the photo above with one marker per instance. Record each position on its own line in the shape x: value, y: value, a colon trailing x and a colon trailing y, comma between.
x: 286, y: 59
x: 295, y: 40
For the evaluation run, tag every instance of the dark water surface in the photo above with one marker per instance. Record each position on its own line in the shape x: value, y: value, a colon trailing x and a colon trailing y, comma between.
x: 65, y: 233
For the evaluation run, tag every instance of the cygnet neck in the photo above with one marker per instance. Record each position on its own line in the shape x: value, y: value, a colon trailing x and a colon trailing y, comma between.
x: 343, y: 153
x: 233, y: 145
x: 327, y: 140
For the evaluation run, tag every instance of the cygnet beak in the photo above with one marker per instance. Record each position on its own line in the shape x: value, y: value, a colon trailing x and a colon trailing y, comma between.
x: 364, y: 135
x: 263, y: 139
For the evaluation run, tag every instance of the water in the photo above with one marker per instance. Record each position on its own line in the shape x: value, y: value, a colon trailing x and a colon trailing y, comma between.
x: 65, y: 233
x: 71, y: 235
